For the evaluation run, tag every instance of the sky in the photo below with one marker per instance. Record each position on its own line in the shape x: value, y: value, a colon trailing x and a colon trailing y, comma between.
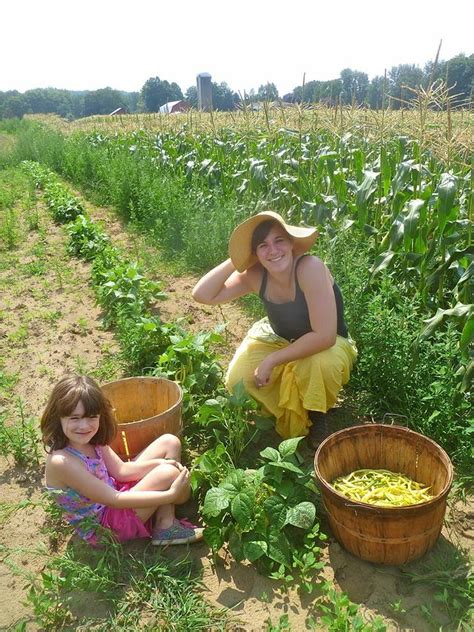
x: 92, y: 44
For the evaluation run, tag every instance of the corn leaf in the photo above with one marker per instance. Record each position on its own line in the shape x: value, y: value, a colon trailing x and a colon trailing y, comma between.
x: 446, y: 197
x: 459, y: 312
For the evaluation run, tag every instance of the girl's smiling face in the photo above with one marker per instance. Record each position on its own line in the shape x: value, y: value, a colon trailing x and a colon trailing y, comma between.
x: 275, y: 252
x: 78, y: 428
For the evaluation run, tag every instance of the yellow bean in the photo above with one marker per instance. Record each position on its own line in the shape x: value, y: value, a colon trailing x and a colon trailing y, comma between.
x: 382, y: 488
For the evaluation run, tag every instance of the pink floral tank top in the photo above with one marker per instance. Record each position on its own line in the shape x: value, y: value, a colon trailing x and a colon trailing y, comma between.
x: 78, y: 510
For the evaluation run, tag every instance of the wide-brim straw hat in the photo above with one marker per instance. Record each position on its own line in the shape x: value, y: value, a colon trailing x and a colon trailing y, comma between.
x: 240, y: 243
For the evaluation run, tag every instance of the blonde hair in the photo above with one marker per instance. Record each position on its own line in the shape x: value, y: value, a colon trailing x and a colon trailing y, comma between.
x: 67, y: 393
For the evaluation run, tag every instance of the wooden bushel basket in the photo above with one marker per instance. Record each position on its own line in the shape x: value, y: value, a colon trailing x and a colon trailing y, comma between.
x: 145, y: 408
x: 386, y: 535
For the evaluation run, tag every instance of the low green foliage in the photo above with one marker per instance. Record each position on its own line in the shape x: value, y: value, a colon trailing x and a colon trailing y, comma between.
x: 143, y: 339
x: 268, y: 516
x: 232, y: 422
x: 450, y: 572
x: 339, y: 614
x: 7, y: 382
x: 86, y: 240
x: 123, y: 291
x: 123, y: 591
x: 189, y: 360
x: 10, y: 234
x: 13, y: 197
x: 20, y: 440
x: 64, y: 207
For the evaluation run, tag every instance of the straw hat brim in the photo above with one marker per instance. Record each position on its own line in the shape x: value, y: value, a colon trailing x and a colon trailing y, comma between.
x: 240, y: 243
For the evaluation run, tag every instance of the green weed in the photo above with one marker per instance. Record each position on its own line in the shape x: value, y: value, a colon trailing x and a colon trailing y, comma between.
x: 35, y: 268
x: 7, y: 382
x: 123, y: 591
x: 20, y: 440
x: 449, y: 571
x: 10, y: 234
x: 339, y: 614
x: 19, y: 336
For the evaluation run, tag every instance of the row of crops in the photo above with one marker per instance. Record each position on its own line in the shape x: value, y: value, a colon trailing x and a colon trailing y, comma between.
x: 395, y: 223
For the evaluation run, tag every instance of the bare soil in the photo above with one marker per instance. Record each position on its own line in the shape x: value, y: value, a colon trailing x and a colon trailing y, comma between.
x: 50, y: 324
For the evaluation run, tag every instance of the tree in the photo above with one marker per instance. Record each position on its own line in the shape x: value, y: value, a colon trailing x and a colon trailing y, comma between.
x: 102, y: 101
x: 222, y: 97
x: 400, y: 78
x: 355, y: 85
x: 318, y: 92
x: 267, y: 92
x: 375, y: 93
x: 191, y: 95
x: 50, y: 100
x: 131, y: 100
x: 156, y: 93
x: 14, y: 106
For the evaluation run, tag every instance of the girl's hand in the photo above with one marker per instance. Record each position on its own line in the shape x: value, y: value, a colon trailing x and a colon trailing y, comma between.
x: 263, y: 372
x: 176, y: 464
x: 180, y: 482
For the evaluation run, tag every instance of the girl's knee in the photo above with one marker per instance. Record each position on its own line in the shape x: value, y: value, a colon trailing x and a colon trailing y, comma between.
x: 171, y: 441
x: 167, y: 445
x: 166, y: 473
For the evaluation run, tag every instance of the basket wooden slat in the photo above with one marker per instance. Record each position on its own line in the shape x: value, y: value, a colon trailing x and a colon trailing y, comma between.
x: 387, y: 535
x: 145, y: 408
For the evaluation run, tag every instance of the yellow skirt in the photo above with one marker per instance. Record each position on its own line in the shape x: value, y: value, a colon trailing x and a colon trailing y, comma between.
x: 311, y: 383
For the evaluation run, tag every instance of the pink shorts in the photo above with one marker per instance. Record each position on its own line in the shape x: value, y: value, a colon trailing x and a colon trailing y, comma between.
x: 125, y: 523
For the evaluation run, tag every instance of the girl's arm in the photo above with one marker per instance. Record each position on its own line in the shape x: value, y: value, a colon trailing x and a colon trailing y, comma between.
x: 131, y: 470
x: 223, y: 283
x: 316, y: 283
x: 65, y: 471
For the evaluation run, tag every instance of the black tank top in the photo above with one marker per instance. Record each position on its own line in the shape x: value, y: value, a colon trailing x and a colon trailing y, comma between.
x: 291, y: 320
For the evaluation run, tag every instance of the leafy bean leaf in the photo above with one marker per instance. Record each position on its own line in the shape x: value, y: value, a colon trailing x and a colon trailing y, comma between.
x: 302, y: 515
x: 242, y: 508
x: 288, y: 447
x: 215, y: 501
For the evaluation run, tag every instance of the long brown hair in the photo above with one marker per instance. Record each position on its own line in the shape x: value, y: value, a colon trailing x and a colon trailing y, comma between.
x: 67, y: 393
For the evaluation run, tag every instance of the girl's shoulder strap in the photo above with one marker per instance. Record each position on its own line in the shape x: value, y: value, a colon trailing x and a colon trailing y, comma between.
x: 75, y: 452
x: 83, y: 457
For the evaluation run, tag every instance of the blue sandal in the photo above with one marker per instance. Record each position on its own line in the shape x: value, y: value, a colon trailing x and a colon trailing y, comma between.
x: 178, y: 533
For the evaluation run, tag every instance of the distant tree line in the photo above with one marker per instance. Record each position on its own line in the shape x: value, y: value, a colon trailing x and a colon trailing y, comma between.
x: 393, y: 89
x: 351, y: 87
x: 68, y: 104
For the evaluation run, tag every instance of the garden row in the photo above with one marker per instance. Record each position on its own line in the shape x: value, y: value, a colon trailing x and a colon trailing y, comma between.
x: 266, y: 516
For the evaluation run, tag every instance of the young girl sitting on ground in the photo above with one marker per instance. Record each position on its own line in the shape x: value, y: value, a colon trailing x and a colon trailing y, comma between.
x: 91, y: 483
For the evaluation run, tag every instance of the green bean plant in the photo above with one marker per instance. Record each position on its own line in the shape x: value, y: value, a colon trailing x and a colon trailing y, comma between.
x: 268, y: 516
x: 86, y: 239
